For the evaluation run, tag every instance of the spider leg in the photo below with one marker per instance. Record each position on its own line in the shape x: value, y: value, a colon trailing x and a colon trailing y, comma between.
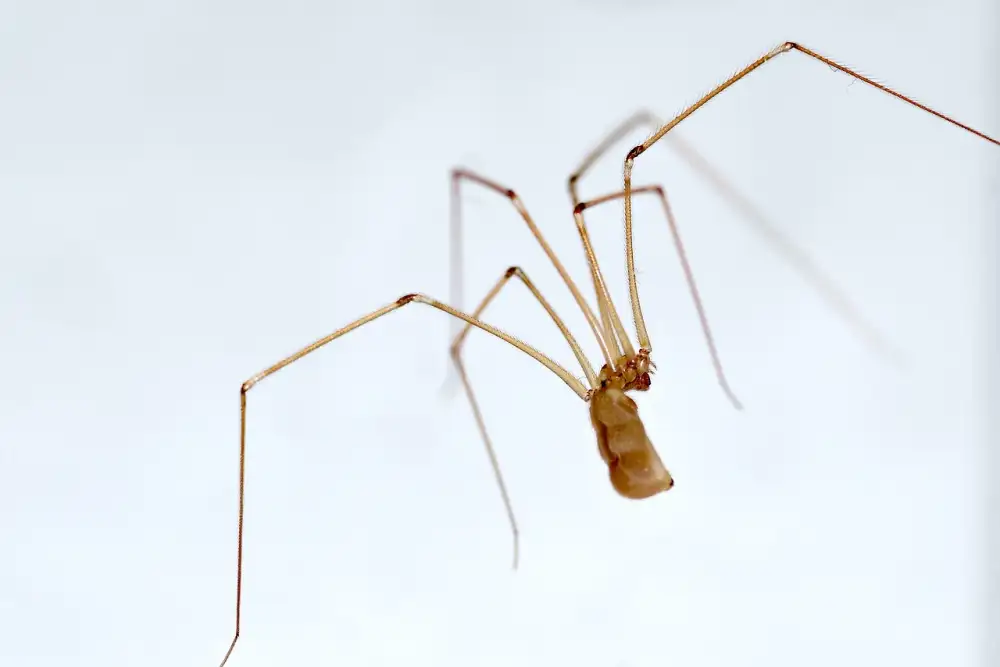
x: 456, y: 353
x: 564, y: 374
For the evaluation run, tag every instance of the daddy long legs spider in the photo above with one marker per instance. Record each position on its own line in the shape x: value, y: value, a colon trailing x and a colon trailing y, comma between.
x: 634, y: 466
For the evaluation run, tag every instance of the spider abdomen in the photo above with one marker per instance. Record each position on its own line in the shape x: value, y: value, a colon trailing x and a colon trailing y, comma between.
x: 634, y: 467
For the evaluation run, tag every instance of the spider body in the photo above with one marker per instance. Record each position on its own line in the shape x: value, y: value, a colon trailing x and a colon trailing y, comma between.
x: 634, y: 467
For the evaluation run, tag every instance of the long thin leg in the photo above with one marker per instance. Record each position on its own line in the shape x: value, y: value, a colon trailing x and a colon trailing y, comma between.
x: 459, y: 175
x: 456, y: 354
x: 688, y: 276
x: 605, y: 307
x: 676, y: 120
x: 564, y: 374
x: 516, y: 271
x: 608, y: 311
x: 637, y: 119
x: 796, y: 257
x: 609, y: 314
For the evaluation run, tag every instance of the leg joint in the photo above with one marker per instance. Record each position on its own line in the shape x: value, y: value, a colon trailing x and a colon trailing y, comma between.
x: 407, y: 298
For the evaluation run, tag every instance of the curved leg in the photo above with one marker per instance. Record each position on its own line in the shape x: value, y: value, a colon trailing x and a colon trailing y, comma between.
x: 676, y: 120
x: 456, y: 355
x: 565, y: 375
x: 638, y: 119
x: 609, y: 314
x: 459, y: 175
x: 675, y: 233
x: 796, y: 257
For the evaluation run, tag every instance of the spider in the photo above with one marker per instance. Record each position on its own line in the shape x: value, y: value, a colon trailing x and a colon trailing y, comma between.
x: 634, y: 467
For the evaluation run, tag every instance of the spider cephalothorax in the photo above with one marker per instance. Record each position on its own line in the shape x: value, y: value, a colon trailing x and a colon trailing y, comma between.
x: 633, y: 374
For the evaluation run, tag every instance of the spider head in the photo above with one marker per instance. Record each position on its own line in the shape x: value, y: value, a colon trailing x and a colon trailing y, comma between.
x: 634, y: 373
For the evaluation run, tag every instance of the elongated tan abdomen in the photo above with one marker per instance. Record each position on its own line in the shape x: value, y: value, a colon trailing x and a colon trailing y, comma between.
x: 634, y: 466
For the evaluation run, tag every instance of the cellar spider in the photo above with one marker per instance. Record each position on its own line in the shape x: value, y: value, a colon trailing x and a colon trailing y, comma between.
x: 634, y: 467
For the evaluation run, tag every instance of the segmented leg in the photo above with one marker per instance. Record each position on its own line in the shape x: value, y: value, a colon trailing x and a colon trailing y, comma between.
x: 564, y: 374
x: 457, y: 271
x: 828, y: 290
x: 638, y: 119
x: 676, y: 120
x: 609, y: 314
x: 456, y: 354
x: 685, y: 265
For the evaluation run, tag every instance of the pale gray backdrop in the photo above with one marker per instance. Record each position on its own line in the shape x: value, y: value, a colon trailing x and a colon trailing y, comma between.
x: 191, y: 190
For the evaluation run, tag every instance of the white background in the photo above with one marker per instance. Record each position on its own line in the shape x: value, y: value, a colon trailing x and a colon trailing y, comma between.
x: 190, y: 191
